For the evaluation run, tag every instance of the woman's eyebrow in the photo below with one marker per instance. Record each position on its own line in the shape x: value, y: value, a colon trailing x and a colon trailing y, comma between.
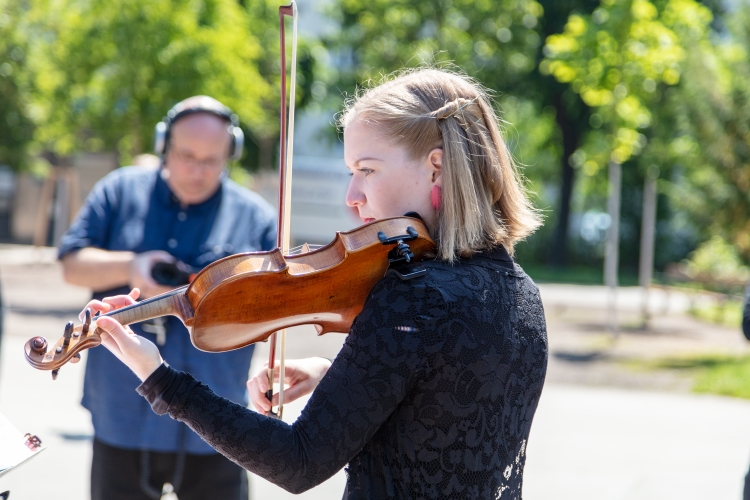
x: 366, y: 158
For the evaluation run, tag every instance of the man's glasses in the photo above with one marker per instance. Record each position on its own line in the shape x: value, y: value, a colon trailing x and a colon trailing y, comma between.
x: 188, y: 159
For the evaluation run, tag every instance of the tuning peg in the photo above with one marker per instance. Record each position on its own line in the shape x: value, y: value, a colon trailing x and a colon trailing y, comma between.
x: 86, y: 322
x: 68, y: 333
x: 54, y: 374
x: 76, y: 358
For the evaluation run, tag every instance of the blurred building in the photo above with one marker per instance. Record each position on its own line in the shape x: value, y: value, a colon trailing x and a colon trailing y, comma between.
x: 43, y: 208
x: 318, y: 192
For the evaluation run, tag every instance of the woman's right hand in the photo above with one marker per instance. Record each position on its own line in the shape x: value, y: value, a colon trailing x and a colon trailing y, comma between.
x: 301, y: 375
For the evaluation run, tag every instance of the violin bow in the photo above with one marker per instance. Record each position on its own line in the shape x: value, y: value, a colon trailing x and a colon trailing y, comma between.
x: 286, y: 148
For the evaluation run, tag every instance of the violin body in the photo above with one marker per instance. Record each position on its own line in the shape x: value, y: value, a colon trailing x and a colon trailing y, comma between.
x: 244, y: 298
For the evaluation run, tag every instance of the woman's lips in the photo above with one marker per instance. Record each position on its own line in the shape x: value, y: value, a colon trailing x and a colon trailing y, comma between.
x: 368, y: 220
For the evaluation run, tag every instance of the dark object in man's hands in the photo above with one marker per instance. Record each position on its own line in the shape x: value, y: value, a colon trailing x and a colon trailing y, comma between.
x: 170, y: 274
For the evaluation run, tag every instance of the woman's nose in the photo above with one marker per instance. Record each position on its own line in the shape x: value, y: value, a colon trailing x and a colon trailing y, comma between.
x: 354, y: 195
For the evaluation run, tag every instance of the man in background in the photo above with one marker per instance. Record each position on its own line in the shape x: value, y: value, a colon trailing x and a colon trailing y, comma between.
x: 138, y: 220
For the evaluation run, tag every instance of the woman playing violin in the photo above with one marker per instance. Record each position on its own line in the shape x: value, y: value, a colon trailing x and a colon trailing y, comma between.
x: 435, y: 388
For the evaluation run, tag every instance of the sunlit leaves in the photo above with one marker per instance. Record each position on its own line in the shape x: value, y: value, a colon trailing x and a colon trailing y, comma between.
x: 712, y: 110
x: 106, y: 71
x: 15, y: 124
x: 618, y: 56
x: 482, y: 37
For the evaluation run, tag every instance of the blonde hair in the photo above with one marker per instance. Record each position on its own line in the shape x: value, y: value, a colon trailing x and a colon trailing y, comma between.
x: 484, y: 200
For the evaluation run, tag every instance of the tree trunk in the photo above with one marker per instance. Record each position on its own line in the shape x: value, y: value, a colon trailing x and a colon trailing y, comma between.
x: 612, y: 249
x: 648, y: 236
x: 570, y: 138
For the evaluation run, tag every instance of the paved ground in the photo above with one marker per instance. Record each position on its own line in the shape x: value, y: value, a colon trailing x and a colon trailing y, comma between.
x: 602, y: 431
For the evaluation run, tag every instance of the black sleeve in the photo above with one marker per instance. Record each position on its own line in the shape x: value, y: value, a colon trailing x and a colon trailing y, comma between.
x: 375, y: 369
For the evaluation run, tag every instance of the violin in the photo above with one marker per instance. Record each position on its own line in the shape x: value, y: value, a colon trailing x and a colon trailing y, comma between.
x: 244, y: 298
x: 247, y: 298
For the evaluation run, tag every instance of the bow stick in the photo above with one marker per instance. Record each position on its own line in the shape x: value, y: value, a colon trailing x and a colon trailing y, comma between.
x: 285, y: 187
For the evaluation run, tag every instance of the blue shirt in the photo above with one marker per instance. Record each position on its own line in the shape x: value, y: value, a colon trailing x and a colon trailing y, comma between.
x: 133, y: 209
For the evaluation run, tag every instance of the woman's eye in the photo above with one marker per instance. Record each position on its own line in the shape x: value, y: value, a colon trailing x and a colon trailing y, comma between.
x: 364, y: 171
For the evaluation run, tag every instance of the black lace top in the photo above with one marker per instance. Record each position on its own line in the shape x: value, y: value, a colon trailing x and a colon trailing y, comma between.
x: 431, y: 396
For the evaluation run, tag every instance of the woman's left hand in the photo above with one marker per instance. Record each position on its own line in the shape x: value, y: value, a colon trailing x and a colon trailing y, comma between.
x: 139, y: 354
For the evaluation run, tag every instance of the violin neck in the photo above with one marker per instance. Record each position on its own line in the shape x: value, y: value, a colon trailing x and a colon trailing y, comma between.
x: 174, y: 303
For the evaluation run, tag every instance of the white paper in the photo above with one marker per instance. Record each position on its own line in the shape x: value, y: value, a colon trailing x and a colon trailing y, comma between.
x: 13, y: 449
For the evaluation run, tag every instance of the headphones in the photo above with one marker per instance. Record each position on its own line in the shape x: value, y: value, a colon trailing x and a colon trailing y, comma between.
x: 200, y: 104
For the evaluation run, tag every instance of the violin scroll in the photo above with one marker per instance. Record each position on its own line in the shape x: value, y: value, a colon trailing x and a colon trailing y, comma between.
x: 67, y: 349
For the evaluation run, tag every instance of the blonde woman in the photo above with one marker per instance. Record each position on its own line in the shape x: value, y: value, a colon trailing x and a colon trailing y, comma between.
x: 434, y: 391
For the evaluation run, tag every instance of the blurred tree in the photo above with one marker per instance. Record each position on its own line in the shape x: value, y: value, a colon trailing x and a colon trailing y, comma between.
x: 677, y: 94
x: 499, y: 43
x: 616, y: 58
x: 571, y: 116
x: 15, y: 126
x: 712, y: 111
x: 106, y: 71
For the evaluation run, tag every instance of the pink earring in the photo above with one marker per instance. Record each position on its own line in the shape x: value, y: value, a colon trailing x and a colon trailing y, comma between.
x: 436, y: 197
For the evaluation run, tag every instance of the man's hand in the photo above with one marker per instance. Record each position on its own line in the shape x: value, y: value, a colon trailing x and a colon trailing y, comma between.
x: 301, y: 375
x: 137, y: 353
x: 140, y: 272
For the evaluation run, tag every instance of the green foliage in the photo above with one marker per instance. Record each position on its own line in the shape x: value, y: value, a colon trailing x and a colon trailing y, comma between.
x: 666, y: 91
x: 107, y: 71
x: 725, y: 312
x: 616, y: 58
x: 714, y: 150
x: 102, y: 73
x: 727, y: 377
x: 579, y: 275
x: 15, y: 126
x: 721, y: 374
x: 493, y: 40
x: 718, y: 260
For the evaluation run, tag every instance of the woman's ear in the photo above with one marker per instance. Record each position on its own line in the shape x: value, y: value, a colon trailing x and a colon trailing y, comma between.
x: 435, y: 164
